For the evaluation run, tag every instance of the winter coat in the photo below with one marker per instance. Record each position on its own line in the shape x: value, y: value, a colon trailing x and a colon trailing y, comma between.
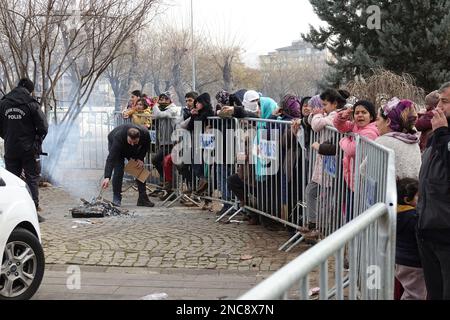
x: 407, y: 251
x: 23, y: 125
x: 407, y: 156
x: 318, y: 123
x: 348, y: 145
x: 433, y: 206
x: 140, y: 117
x: 423, y: 124
x: 120, y: 149
x: 165, y: 123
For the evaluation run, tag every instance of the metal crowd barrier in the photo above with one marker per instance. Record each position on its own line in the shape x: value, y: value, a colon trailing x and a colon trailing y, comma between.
x: 374, y: 283
x: 367, y: 241
x: 274, y: 173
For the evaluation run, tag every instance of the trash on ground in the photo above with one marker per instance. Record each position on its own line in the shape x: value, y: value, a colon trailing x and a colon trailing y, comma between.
x: 314, y: 291
x: 83, y: 222
x: 156, y: 296
x: 97, y: 208
x: 246, y: 257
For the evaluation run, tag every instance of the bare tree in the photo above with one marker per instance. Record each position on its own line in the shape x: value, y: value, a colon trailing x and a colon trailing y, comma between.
x: 50, y: 38
x: 122, y: 72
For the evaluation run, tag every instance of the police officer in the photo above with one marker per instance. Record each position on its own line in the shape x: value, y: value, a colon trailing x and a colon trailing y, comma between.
x: 23, y: 126
x: 127, y: 141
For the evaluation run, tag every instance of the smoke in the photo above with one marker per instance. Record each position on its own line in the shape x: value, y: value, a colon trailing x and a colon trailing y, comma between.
x: 76, y: 163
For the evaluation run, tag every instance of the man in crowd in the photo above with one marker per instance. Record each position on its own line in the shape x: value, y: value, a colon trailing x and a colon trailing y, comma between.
x: 433, y: 205
x: 23, y: 126
x: 127, y: 141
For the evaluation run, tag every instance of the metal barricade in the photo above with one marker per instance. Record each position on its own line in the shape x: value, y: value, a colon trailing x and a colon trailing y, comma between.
x: 366, y: 240
x: 298, y: 272
x: 274, y: 174
x: 334, y: 201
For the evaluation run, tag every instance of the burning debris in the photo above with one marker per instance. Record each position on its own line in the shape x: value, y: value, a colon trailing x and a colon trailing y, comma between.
x: 97, y: 208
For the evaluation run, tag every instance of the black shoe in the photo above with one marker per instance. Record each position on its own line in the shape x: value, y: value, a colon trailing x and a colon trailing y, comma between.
x: 117, y: 201
x: 145, y: 203
x: 40, y: 218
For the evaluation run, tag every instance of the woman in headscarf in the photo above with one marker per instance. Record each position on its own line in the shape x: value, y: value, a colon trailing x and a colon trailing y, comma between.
x: 396, y: 124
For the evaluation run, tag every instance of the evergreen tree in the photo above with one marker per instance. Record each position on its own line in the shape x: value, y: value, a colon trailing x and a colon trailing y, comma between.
x: 414, y: 38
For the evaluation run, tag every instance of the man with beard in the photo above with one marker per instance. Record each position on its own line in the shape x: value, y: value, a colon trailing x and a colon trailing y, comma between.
x: 433, y: 205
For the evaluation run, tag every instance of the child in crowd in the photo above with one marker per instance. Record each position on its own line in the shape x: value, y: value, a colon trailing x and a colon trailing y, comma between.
x: 408, y: 267
x: 141, y: 114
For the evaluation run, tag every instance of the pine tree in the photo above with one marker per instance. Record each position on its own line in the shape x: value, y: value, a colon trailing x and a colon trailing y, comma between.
x: 414, y: 38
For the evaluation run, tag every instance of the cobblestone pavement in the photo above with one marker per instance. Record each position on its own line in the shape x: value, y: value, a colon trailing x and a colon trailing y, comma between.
x: 178, y: 237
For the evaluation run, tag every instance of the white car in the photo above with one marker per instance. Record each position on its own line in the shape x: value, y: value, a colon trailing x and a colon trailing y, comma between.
x: 22, y: 261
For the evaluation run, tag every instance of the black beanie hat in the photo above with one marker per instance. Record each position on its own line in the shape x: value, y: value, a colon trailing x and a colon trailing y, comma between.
x: 27, y: 84
x: 368, y: 106
x: 204, y: 99
x: 137, y: 93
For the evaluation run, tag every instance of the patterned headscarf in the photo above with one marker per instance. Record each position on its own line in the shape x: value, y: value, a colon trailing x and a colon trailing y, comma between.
x: 402, y: 114
x: 290, y: 106
x: 223, y: 97
x: 315, y: 102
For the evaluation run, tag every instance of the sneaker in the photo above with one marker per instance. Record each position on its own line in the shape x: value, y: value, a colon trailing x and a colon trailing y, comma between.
x: 145, y: 203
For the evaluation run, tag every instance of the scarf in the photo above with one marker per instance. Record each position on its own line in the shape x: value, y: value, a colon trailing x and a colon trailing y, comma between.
x: 405, y: 137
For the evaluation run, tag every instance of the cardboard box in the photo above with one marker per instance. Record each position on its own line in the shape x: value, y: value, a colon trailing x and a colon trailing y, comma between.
x: 140, y: 174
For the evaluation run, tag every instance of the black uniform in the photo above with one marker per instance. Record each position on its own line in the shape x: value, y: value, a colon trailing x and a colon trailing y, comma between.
x: 23, y: 126
x: 119, y: 150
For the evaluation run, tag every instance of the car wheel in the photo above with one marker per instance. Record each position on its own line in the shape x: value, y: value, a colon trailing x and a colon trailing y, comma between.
x: 22, y: 267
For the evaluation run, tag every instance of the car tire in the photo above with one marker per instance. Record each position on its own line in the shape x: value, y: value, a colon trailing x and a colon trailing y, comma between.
x: 29, y: 241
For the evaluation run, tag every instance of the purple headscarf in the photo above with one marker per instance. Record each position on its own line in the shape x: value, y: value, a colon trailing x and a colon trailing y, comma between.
x: 315, y: 102
x: 402, y: 114
x: 291, y: 106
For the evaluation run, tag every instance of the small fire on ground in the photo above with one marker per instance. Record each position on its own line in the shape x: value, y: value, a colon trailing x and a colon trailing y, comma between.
x: 97, y: 208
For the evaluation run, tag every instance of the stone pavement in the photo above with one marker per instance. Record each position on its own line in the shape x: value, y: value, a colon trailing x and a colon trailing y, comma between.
x: 119, y: 283
x: 179, y: 238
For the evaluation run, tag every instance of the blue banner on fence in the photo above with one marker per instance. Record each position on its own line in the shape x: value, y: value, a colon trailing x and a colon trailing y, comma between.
x: 267, y: 149
x: 371, y: 192
x: 329, y: 165
x: 152, y: 136
x: 207, y: 141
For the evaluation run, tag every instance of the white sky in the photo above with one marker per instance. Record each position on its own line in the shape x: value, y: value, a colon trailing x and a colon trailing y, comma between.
x: 260, y: 25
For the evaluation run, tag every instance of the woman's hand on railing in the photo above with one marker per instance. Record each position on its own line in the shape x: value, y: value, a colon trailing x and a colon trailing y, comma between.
x: 315, y: 146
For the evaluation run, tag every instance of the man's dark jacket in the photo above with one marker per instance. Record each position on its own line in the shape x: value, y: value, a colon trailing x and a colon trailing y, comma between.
x: 23, y: 125
x: 120, y: 149
x: 433, y: 206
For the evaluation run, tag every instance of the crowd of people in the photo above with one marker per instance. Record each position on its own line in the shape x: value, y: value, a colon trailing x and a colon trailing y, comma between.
x: 419, y: 137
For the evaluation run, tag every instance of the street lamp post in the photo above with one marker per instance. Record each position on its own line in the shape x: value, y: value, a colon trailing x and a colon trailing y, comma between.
x: 193, y: 48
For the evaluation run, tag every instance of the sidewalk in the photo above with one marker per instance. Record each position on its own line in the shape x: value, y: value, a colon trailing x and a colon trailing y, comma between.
x: 115, y: 283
